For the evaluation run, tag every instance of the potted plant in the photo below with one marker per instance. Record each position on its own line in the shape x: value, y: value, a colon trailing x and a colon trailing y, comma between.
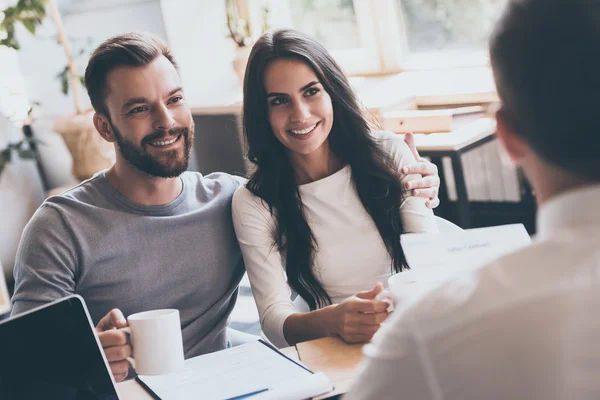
x: 240, y: 30
x: 90, y: 153
x: 22, y: 148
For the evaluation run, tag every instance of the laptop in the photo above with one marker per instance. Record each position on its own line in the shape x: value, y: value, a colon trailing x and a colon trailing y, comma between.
x: 52, y: 352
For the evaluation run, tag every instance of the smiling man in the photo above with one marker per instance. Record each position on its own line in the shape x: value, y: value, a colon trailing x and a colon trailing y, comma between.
x: 144, y: 234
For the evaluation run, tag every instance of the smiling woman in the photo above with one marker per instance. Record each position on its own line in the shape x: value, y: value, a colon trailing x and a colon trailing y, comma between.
x: 300, y: 113
x: 325, y: 202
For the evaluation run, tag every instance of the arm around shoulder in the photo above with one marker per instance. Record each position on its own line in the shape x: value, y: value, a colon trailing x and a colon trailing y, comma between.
x: 45, y: 266
x: 416, y: 216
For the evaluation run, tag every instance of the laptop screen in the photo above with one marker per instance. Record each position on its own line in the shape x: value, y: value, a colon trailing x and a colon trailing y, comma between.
x: 52, y: 353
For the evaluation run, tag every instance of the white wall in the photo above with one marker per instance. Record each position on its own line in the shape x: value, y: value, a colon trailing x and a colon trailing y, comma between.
x: 41, y: 60
x: 20, y: 195
x: 20, y: 186
x: 197, y: 33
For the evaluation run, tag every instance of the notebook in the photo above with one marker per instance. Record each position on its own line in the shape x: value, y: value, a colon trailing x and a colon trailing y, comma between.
x: 255, y: 370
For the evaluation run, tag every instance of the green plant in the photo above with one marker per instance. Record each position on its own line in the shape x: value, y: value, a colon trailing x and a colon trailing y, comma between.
x: 31, y: 13
x: 22, y: 148
x: 28, y: 12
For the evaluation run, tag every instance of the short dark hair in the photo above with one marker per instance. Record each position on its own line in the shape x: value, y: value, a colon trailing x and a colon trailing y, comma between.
x: 132, y: 49
x: 547, y: 70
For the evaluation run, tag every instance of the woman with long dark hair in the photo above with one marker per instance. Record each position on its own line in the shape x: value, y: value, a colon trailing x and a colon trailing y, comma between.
x: 325, y: 204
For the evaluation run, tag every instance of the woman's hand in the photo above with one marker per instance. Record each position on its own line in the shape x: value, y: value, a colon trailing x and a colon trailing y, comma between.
x: 357, y: 318
x: 429, y: 185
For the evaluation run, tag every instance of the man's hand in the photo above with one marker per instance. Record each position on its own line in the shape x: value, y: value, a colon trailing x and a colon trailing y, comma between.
x: 429, y: 185
x: 114, y: 343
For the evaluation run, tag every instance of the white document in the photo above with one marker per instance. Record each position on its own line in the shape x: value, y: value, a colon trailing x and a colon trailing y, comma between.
x: 436, y: 258
x: 4, y: 298
x: 233, y: 373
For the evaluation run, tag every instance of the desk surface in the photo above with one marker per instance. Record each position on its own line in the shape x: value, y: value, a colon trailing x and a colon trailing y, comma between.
x: 335, y: 358
x: 332, y: 356
x: 457, y: 139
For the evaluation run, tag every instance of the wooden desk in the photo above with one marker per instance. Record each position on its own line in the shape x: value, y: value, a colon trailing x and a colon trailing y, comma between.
x: 335, y: 358
x: 332, y: 356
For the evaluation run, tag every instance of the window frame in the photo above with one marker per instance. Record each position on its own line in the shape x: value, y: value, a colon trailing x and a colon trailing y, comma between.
x: 364, y: 59
x: 382, y: 29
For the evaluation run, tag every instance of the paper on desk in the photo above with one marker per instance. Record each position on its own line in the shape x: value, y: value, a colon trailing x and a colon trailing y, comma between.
x: 237, y: 371
x: 435, y: 258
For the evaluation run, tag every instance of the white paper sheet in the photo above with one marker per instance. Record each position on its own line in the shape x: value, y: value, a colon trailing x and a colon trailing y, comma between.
x: 237, y: 371
x: 435, y: 258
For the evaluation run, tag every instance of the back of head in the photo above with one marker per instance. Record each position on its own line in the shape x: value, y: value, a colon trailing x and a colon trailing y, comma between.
x: 547, y: 70
x: 127, y: 50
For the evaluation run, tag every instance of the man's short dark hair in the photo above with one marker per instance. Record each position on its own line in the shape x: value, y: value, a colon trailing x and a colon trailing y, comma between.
x: 546, y: 60
x: 129, y: 49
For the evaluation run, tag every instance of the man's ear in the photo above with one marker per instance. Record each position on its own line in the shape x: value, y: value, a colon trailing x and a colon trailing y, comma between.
x: 104, y: 127
x: 516, y: 147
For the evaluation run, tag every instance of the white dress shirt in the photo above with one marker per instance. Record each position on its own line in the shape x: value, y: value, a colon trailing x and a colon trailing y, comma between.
x: 350, y: 256
x: 524, y: 327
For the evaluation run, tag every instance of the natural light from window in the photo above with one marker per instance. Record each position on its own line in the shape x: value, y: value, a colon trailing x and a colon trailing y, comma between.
x: 379, y: 36
x: 448, y: 25
x: 332, y: 22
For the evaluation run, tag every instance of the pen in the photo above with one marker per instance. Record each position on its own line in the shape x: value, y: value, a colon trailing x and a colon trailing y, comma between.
x: 245, y: 396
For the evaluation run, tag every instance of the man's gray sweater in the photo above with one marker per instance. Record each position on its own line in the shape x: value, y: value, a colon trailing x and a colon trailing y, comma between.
x: 118, y: 254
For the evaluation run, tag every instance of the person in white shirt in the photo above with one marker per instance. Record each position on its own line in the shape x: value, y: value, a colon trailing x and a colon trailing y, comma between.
x: 323, y: 210
x: 525, y: 326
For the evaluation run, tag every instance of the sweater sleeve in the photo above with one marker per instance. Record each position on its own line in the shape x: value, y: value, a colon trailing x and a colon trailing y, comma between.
x: 416, y: 216
x: 254, y: 227
x: 46, y: 265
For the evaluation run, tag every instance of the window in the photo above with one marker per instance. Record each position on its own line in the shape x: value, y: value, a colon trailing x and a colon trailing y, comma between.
x: 343, y: 26
x: 331, y: 22
x: 441, y: 25
x: 378, y: 36
x: 453, y: 29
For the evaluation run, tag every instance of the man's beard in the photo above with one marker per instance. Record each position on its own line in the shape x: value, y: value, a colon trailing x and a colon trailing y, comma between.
x: 170, y: 165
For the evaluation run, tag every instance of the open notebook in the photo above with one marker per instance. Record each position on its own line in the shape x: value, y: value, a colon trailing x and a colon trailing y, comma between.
x: 254, y: 370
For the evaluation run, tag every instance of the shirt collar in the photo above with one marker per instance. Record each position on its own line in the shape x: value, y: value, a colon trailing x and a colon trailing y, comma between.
x: 575, y: 208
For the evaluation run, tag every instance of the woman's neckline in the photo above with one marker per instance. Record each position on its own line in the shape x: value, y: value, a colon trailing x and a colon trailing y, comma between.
x: 318, y: 182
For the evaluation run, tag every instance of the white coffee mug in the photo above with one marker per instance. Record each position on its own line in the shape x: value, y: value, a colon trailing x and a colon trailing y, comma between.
x: 157, y: 342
